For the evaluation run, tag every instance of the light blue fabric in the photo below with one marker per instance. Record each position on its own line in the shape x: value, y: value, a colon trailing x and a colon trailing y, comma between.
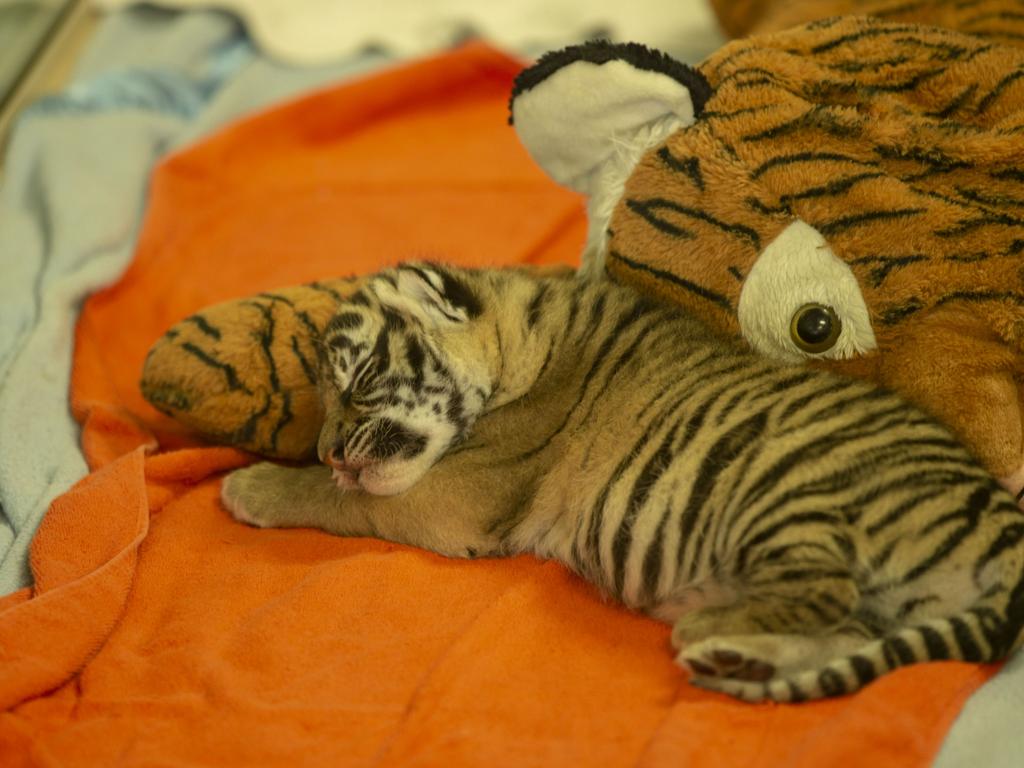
x: 989, y: 732
x: 73, y: 192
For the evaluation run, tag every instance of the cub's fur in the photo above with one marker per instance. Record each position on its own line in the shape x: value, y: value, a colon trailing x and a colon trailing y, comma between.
x: 803, y: 533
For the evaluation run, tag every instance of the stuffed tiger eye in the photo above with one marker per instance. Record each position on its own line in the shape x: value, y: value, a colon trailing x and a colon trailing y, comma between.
x: 815, y: 328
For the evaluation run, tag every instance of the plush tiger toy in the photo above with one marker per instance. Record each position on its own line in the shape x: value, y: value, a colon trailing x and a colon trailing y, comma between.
x: 845, y: 194
x: 803, y: 533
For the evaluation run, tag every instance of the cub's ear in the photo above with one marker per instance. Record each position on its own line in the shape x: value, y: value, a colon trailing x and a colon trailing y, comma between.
x: 434, y: 293
x: 577, y: 108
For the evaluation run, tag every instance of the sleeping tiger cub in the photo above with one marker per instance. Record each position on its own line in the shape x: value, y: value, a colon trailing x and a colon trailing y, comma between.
x: 802, y: 533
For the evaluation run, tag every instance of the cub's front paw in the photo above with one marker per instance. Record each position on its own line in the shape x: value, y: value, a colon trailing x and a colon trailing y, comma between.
x: 249, y: 495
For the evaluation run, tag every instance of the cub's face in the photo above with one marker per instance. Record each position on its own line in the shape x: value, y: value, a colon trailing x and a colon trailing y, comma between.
x: 399, y: 385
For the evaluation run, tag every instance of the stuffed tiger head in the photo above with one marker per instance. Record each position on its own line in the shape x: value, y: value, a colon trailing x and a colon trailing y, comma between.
x: 395, y: 398
x: 846, y: 193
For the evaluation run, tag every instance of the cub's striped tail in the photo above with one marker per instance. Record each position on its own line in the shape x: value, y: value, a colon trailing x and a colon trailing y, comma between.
x: 988, y: 631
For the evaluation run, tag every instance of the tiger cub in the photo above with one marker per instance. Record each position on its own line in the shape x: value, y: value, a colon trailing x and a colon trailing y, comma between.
x: 802, y: 533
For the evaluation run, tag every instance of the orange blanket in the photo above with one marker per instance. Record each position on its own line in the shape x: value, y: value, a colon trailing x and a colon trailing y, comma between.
x: 161, y: 632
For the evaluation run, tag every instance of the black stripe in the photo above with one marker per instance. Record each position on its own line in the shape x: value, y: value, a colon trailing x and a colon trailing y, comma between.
x: 820, y: 117
x: 846, y: 222
x: 651, y: 568
x: 631, y: 315
x: 1013, y: 174
x: 708, y: 114
x: 941, y: 51
x: 978, y: 501
x: 690, y: 167
x: 886, y: 264
x: 658, y: 223
x: 344, y: 321
x: 899, y: 313
x: 831, y: 682
x: 863, y: 669
x: 381, y: 354
x: 739, y: 72
x: 647, y: 209
x: 718, y: 458
x: 266, y: 337
x: 832, y: 188
x: 861, y: 65
x: 1009, y: 537
x: 756, y: 82
x: 969, y: 648
x: 993, y: 200
x: 898, y: 512
x: 796, y: 695
x: 393, y: 321
x: 699, y: 290
x: 955, y: 103
x: 759, y: 207
x: 597, y: 511
x: 833, y: 387
x: 203, y: 325
x: 909, y: 84
x: 285, y: 418
x: 808, y: 157
x: 980, y: 296
x: 817, y: 448
x: 276, y: 297
x: 1001, y: 86
x: 533, y: 311
x: 889, y: 29
x: 458, y: 293
x: 318, y: 286
x: 987, y: 218
x: 244, y: 434
x: 934, y: 643
x: 307, y: 367
x: 911, y: 605
x: 642, y: 487
x: 415, y: 357
x: 766, y: 534
x: 227, y: 369
x: 901, y: 649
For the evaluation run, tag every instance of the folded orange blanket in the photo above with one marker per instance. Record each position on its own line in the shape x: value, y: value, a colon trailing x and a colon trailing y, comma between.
x: 162, y: 632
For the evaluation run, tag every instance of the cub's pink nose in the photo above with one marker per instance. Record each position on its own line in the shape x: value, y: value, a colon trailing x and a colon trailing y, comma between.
x: 338, y: 460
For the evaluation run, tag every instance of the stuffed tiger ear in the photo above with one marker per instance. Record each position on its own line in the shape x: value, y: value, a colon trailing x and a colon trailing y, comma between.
x: 583, y: 109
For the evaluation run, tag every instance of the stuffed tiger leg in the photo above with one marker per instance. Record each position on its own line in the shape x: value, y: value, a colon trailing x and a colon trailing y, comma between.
x: 802, y: 533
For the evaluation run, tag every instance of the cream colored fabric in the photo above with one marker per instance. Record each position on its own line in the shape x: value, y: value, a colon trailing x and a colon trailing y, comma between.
x: 312, y: 31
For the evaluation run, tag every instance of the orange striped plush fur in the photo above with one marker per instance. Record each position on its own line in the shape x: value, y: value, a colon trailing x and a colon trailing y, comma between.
x: 1001, y: 21
x: 903, y: 146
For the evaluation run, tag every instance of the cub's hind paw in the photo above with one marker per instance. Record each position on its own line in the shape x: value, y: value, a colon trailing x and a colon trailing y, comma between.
x: 737, y: 658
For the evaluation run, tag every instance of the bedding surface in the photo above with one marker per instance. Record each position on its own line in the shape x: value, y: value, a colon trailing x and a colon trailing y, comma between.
x: 161, y: 631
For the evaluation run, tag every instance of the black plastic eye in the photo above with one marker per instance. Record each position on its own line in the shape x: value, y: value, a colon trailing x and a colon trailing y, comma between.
x: 815, y: 328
